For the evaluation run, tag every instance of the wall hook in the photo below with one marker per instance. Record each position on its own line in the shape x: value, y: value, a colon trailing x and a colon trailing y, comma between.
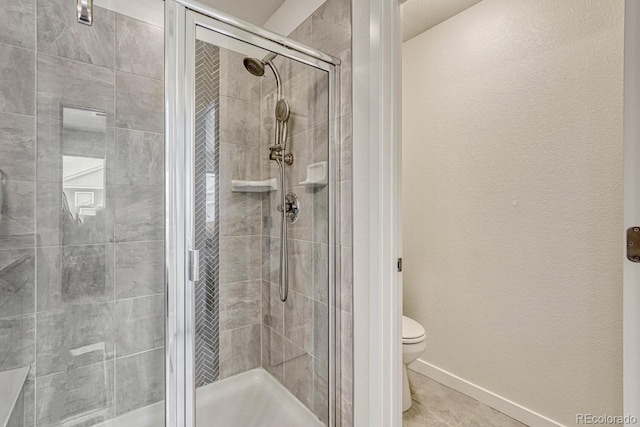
x: 85, y: 12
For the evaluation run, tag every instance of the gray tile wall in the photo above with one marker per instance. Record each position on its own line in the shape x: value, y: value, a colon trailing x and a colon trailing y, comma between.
x: 207, y: 210
x: 240, y: 220
x: 90, y: 322
x: 295, y: 334
x: 329, y: 30
x: 94, y: 282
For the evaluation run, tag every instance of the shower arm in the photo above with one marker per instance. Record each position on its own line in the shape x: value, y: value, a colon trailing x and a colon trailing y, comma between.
x: 276, y: 75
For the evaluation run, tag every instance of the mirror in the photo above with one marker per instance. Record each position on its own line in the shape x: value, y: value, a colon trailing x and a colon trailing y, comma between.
x: 83, y: 177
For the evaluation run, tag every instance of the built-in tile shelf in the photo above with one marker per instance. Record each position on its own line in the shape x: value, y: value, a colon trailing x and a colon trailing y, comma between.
x: 316, y: 175
x: 238, y: 186
x: 11, y: 386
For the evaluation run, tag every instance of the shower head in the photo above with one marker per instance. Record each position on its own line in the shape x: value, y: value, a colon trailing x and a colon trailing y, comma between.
x: 256, y: 66
x: 282, y: 110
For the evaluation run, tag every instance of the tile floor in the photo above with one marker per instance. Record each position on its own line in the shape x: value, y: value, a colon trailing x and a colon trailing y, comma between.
x: 437, y: 405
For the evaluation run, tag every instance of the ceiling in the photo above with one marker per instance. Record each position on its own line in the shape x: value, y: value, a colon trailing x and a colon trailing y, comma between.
x: 256, y: 12
x: 420, y: 15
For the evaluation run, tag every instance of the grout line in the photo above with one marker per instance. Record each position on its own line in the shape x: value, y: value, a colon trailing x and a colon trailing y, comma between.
x: 241, y: 281
x: 9, y: 113
x: 113, y: 70
x: 116, y: 12
x: 109, y: 127
x: 149, y: 350
x: 75, y: 61
x: 241, y: 327
x: 117, y: 70
x: 80, y: 245
x: 114, y: 201
x: 116, y: 300
x: 35, y: 222
x: 115, y: 210
x: 21, y: 47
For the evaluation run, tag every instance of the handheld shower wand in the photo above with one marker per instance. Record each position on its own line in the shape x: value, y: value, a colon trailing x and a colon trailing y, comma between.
x: 2, y: 190
x: 288, y: 206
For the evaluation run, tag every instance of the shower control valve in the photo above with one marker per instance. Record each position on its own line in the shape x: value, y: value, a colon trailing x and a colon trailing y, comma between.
x: 291, y: 207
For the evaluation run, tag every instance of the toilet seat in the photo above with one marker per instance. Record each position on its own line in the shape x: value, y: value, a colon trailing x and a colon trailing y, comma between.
x: 412, y: 331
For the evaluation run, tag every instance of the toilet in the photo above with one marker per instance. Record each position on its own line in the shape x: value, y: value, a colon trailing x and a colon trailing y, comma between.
x: 413, y: 345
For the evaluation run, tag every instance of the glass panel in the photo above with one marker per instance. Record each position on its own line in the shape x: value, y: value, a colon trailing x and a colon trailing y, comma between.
x: 81, y: 218
x: 260, y: 361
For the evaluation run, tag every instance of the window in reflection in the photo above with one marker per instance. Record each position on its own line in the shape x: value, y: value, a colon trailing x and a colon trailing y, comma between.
x: 83, y: 176
x: 83, y: 186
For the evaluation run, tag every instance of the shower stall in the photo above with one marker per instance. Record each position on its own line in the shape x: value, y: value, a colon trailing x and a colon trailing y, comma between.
x: 168, y: 204
x: 251, y: 140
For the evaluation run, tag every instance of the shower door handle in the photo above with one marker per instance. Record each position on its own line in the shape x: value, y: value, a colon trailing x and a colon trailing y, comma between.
x: 194, y: 265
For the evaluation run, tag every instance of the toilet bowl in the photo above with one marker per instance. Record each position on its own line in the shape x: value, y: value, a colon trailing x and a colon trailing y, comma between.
x: 413, y: 345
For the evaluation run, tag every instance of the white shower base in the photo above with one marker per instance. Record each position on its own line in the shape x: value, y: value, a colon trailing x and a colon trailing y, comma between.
x: 251, y: 399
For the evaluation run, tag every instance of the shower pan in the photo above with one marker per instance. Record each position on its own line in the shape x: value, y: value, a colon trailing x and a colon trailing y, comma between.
x: 251, y: 324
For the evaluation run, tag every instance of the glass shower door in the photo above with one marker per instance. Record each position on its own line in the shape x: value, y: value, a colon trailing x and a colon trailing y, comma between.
x: 259, y: 273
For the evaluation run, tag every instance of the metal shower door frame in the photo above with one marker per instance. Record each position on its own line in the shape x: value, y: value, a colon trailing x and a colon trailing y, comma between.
x: 182, y: 18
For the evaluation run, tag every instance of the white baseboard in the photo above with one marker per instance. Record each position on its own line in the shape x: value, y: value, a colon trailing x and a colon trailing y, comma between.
x: 499, y: 403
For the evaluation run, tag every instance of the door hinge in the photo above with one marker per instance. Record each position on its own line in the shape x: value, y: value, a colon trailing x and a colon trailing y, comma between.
x: 194, y: 265
x: 633, y: 244
x: 399, y: 264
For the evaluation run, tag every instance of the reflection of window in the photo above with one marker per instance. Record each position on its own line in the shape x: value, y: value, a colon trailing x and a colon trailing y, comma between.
x: 84, y: 198
x: 211, y: 197
x: 83, y: 184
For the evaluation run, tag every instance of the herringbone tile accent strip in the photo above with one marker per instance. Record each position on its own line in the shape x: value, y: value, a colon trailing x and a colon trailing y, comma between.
x: 206, y: 209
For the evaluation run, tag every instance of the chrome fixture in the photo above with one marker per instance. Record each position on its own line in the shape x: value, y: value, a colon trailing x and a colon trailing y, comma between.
x: 277, y: 151
x: 85, y: 12
x: 292, y: 207
x: 256, y: 66
x: 289, y: 207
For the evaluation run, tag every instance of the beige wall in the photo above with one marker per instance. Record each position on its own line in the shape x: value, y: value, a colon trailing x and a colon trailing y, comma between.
x: 513, y: 200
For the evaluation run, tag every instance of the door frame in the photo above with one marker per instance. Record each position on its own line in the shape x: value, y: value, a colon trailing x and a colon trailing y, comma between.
x: 377, y: 171
x: 377, y: 231
x: 631, y: 271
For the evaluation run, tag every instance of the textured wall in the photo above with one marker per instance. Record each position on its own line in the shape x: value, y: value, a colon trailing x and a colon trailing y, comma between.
x: 90, y: 322
x: 513, y: 200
